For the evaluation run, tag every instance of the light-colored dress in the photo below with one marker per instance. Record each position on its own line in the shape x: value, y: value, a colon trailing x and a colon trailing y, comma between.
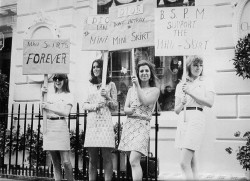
x: 57, y: 136
x: 136, y: 129
x: 100, y: 128
x: 190, y: 132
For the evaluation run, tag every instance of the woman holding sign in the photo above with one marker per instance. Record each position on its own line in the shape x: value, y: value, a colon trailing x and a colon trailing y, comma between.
x: 56, y: 133
x: 195, y: 93
x: 139, y: 105
x: 100, y: 130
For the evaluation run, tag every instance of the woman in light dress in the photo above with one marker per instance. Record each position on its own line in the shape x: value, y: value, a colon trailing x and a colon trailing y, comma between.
x: 139, y: 106
x: 56, y: 138
x: 100, y: 130
x: 196, y: 93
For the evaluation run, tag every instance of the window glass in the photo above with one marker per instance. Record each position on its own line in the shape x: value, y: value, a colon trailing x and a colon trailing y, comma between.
x: 168, y: 69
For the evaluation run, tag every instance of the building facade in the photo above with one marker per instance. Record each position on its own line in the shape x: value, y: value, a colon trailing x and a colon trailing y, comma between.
x: 63, y: 19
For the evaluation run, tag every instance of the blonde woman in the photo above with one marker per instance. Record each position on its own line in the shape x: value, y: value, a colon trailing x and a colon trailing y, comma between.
x: 196, y: 93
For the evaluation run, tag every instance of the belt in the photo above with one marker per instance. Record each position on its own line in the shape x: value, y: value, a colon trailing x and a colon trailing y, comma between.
x: 194, y: 108
x: 56, y: 118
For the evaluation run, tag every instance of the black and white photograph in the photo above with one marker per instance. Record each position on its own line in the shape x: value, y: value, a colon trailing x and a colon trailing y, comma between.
x: 124, y: 90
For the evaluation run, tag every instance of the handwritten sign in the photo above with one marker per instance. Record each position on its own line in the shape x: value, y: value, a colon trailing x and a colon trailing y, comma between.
x: 46, y: 56
x: 95, y: 33
x: 183, y: 30
x: 132, y: 25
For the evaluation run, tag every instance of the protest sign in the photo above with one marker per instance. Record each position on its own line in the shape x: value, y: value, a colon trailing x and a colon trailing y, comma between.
x: 183, y: 30
x: 132, y: 25
x: 46, y: 56
x: 95, y: 33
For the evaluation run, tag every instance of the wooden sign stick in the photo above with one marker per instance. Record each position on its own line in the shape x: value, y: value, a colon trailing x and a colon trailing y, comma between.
x: 44, y: 99
x: 133, y: 64
x: 185, y: 80
x: 104, y: 68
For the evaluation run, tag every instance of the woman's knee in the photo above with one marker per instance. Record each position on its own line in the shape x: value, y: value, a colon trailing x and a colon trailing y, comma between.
x: 107, y: 155
x: 135, y: 160
x: 65, y: 156
x: 184, y: 165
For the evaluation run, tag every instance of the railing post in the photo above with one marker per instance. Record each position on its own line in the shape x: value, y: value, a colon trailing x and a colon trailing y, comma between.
x: 118, y: 137
x: 5, y: 121
x: 24, y: 135
x: 84, y: 149
x: 38, y: 137
x: 17, y: 137
x: 77, y: 143
x: 31, y: 138
x: 156, y: 141
x: 11, y: 129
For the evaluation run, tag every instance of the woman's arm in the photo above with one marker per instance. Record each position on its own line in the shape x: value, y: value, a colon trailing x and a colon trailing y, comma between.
x: 128, y: 109
x: 206, y: 100
x: 63, y: 110
x: 145, y: 99
x: 111, y: 97
x: 179, y: 104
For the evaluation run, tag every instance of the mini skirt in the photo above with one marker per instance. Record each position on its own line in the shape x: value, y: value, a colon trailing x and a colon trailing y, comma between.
x: 190, y: 132
x: 57, y: 136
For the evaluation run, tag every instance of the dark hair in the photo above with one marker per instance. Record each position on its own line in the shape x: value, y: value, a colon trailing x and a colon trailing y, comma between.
x: 93, y: 78
x: 153, y: 78
x: 65, y: 87
x: 193, y: 59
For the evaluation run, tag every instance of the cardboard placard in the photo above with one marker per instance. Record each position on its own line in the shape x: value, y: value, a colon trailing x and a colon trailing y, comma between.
x: 46, y: 56
x: 184, y: 30
x: 95, y: 33
x: 132, y: 25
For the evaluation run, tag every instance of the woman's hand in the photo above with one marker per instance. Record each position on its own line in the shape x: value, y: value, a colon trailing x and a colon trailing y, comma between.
x: 104, y: 93
x: 185, y: 88
x: 130, y: 110
x: 184, y: 100
x: 44, y: 105
x: 44, y: 89
x: 135, y: 80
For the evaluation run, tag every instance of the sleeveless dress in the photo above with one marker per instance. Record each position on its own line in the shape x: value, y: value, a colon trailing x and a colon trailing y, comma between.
x: 100, y: 128
x: 57, y: 136
x: 190, y: 133
x: 136, y: 129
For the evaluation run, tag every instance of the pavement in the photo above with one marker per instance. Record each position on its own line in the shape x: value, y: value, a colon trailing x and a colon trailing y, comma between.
x: 164, y: 177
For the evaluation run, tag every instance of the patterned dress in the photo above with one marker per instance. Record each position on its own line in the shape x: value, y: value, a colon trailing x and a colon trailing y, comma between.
x: 57, y: 136
x: 136, y: 129
x: 100, y: 129
x: 190, y: 132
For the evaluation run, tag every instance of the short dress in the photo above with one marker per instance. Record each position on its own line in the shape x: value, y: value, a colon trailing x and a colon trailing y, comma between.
x: 100, y: 128
x: 57, y: 135
x: 136, y: 129
x: 190, y: 132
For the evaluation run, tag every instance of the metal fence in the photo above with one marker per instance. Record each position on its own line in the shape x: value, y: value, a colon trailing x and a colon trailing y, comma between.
x: 21, y: 151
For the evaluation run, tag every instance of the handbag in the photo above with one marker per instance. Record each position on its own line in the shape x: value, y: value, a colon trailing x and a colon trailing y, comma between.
x: 148, y: 165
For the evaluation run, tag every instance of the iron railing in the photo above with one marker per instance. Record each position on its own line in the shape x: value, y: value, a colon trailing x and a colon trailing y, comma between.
x: 21, y: 150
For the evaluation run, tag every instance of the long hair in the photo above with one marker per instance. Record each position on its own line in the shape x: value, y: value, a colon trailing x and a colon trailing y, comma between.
x: 153, y: 79
x: 193, y: 59
x: 65, y: 87
x: 93, y: 78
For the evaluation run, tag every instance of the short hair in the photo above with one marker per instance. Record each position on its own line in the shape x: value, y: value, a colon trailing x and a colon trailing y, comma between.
x: 193, y: 59
x: 153, y: 79
x: 65, y: 87
x: 93, y: 78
